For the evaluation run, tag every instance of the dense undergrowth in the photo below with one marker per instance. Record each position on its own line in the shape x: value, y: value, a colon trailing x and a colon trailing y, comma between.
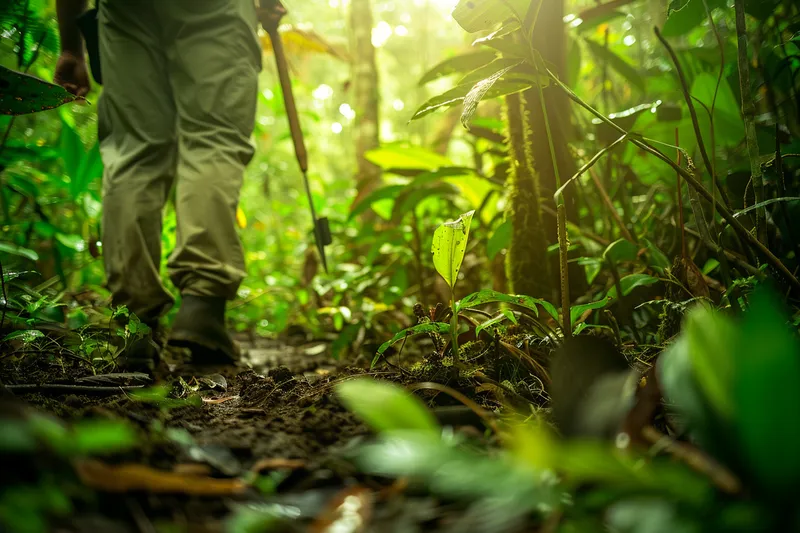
x: 595, y: 251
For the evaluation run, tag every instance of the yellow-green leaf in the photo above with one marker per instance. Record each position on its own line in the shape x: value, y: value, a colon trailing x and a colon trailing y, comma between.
x: 449, y: 245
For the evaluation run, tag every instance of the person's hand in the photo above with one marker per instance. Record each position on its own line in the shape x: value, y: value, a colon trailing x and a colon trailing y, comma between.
x: 71, y: 73
x: 270, y: 14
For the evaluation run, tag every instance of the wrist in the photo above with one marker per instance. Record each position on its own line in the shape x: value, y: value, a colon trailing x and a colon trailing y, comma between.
x: 72, y: 53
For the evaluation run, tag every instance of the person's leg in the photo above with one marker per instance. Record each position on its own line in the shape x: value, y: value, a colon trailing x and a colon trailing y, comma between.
x: 214, y: 61
x: 138, y: 141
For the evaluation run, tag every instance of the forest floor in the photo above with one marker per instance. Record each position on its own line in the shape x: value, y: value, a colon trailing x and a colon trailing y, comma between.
x: 273, y: 420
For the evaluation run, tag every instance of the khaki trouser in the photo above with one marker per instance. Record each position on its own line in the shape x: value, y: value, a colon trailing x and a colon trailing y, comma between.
x: 178, y: 107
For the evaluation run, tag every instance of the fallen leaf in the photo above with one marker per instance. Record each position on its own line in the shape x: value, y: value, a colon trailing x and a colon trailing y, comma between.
x: 192, y: 469
x: 348, y: 512
x: 133, y: 477
x: 277, y: 463
x: 220, y: 400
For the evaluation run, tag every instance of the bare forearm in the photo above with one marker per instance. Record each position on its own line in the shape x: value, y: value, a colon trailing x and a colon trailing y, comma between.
x: 68, y: 12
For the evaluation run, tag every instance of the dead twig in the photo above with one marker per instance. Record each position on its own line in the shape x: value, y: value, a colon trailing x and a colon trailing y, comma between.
x: 68, y: 388
x: 720, y: 476
x: 477, y: 409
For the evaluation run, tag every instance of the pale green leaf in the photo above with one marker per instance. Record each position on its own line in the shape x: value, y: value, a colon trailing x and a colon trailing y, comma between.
x: 480, y: 15
x: 458, y: 64
x: 432, y: 327
x: 576, y: 311
x: 387, y: 407
x: 631, y: 282
x: 13, y: 249
x: 499, y: 240
x: 449, y: 246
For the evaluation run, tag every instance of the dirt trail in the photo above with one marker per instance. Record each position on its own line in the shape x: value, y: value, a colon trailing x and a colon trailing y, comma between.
x: 278, y: 416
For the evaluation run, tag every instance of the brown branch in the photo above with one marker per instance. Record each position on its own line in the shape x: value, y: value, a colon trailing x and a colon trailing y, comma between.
x: 698, y: 461
x: 67, y: 388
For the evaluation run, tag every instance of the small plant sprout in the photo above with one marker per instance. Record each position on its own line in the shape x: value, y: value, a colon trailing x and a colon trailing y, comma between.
x: 449, y: 245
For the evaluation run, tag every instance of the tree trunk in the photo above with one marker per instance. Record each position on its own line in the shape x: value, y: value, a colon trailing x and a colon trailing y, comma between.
x: 527, y: 264
x: 364, y: 76
x: 550, y: 39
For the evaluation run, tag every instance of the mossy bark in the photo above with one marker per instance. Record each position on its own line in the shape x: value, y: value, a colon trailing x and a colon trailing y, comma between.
x: 526, y: 262
x: 550, y: 39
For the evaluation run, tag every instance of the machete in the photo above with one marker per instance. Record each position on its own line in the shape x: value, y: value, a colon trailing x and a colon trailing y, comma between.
x: 270, y: 14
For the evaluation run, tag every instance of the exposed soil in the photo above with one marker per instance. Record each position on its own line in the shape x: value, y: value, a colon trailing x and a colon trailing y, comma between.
x: 277, y: 415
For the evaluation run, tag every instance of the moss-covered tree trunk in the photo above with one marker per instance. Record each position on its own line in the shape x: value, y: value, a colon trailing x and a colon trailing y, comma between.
x: 528, y: 269
x: 364, y: 76
x: 550, y: 39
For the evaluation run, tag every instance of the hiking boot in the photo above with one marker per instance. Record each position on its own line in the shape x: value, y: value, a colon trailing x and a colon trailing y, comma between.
x: 200, y: 327
x: 143, y: 354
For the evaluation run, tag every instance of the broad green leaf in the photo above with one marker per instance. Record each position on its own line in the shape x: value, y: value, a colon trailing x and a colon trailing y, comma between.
x: 21, y: 151
x: 500, y: 239
x: 26, y: 336
x: 477, y: 93
x: 389, y: 191
x: 399, y: 155
x: 413, y: 198
x: 766, y: 396
x: 710, y: 266
x: 93, y: 437
x: 592, y: 267
x: 656, y: 258
x: 10, y: 275
x: 457, y: 94
x: 441, y: 328
x: 26, y: 183
x: 480, y: 15
x: 505, y: 314
x: 622, y: 67
x: 459, y: 473
x: 728, y: 123
x: 712, y: 338
x: 74, y: 242
x: 490, y: 70
x: 90, y: 170
x: 621, y: 250
x: 589, y: 461
x: 577, y: 310
x: 387, y: 407
x: 489, y: 296
x: 685, y: 15
x: 458, y: 65
x: 160, y: 396
x: 682, y: 393
x: 21, y: 94
x: 449, y: 245
x: 630, y: 282
x: 650, y: 515
x: 71, y: 150
x: 13, y: 249
x: 17, y: 438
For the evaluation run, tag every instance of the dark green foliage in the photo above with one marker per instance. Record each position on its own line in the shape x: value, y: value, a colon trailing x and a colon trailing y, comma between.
x: 21, y: 94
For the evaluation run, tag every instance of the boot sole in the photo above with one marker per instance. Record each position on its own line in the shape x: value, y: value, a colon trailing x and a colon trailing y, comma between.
x: 203, y: 353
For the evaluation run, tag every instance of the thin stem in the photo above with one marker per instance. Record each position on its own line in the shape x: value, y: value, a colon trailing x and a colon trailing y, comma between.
x: 748, y: 113
x: 684, y: 253
x: 5, y: 296
x: 561, y: 211
x: 693, y: 113
x: 723, y: 209
x: 610, y: 205
x: 721, y: 45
